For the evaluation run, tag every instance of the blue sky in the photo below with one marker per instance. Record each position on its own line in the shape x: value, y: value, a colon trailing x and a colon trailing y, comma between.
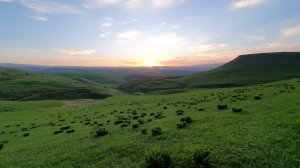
x: 144, y: 32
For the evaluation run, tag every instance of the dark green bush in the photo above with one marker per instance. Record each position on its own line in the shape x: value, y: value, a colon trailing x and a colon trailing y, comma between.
x: 237, y: 110
x: 179, y: 112
x: 201, y: 109
x: 144, y: 131
x: 181, y: 125
x: 201, y: 159
x: 257, y: 97
x: 57, y: 132
x: 156, y: 131
x: 101, y: 132
x: 135, y: 117
x: 158, y: 159
x: 222, y: 106
x: 186, y: 119
x: 65, y: 128
x: 1, y: 146
x: 141, y: 121
x: 135, y: 126
x: 26, y: 134
x: 70, y: 131
x: 143, y: 115
x: 125, y: 125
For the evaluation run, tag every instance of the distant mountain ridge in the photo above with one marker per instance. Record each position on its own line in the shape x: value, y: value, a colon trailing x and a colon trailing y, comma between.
x: 244, y: 70
x: 113, y: 76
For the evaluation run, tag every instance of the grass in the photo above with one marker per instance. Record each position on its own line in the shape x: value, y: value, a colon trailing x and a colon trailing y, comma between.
x: 242, y: 71
x: 265, y: 133
x: 19, y: 85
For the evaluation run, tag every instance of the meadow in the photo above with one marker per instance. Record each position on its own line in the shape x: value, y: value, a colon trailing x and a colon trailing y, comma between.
x: 252, y: 126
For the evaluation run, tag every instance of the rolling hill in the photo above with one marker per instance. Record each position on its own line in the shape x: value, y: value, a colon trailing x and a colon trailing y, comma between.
x: 112, y: 76
x: 20, y: 85
x: 244, y: 70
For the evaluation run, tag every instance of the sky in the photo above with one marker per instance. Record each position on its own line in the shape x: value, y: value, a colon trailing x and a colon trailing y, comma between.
x: 144, y: 32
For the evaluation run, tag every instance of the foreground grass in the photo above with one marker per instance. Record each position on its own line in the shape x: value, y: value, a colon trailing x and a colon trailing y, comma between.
x: 265, y: 134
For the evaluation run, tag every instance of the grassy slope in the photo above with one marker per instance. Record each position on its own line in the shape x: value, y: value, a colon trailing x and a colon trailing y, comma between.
x: 110, y: 79
x: 266, y: 134
x: 244, y: 70
x: 15, y: 85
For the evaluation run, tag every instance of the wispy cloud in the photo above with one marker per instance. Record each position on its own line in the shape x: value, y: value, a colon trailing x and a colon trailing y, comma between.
x: 127, y: 36
x: 73, y: 52
x: 49, y: 6
x: 292, y: 31
x: 254, y: 38
x: 240, y: 4
x: 6, y: 1
x: 107, y: 22
x: 105, y: 34
x: 132, y: 3
x: 202, y: 48
x: 165, y: 3
x: 40, y: 18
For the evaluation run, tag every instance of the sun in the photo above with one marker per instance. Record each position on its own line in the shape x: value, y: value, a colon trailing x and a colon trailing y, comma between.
x: 150, y: 64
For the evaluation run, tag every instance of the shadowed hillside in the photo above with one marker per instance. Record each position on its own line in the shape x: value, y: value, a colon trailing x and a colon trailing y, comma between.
x: 19, y: 85
x: 244, y: 70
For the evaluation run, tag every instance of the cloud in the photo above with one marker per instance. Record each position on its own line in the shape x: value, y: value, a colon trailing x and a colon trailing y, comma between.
x: 165, y: 3
x: 246, y: 4
x: 40, y: 18
x: 49, y: 6
x: 254, y: 38
x: 73, y: 52
x: 203, y: 48
x: 6, y: 1
x: 107, y: 22
x: 105, y: 34
x: 293, y: 31
x: 128, y: 36
x: 132, y: 3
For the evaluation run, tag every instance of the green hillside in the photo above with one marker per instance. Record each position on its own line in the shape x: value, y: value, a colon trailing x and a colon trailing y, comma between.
x: 245, y: 127
x: 19, y: 85
x: 244, y: 70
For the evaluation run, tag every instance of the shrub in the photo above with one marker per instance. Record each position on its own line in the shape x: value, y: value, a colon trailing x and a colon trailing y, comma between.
x: 26, y: 134
x: 237, y: 110
x: 57, y: 132
x: 152, y: 114
x: 158, y: 159
x: 135, y: 126
x: 5, y: 141
x: 201, y: 109
x: 1, y: 146
x: 149, y: 120
x: 70, y: 131
x: 186, y: 119
x: 118, y: 122
x: 135, y: 117
x: 201, y: 159
x: 101, y: 132
x: 144, y: 131
x: 181, y: 125
x: 165, y: 108
x: 257, y: 97
x: 125, y: 125
x: 143, y: 115
x: 65, y: 128
x: 24, y: 129
x: 156, y: 131
x: 222, y: 106
x: 141, y: 121
x: 179, y: 112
